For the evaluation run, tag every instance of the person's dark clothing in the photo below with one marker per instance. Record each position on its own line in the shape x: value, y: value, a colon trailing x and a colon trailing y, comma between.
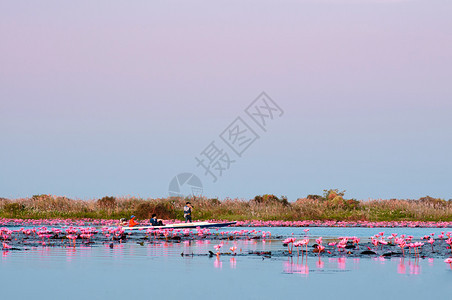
x: 187, y: 213
x: 155, y: 222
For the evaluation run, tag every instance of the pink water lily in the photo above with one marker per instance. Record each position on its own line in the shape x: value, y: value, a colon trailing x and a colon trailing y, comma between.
x: 449, y: 261
x: 289, y: 242
x: 218, y: 247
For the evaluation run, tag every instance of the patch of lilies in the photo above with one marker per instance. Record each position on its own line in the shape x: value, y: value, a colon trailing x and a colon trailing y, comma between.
x: 300, y: 244
x: 448, y: 261
x: 218, y: 247
x: 289, y: 242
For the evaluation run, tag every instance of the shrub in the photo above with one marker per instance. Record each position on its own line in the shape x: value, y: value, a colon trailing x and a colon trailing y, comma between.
x: 270, y: 199
x: 107, y: 203
x: 13, y: 208
x: 314, y: 197
x: 163, y: 210
x: 435, y: 202
x: 352, y: 203
x: 214, y: 202
x: 332, y: 193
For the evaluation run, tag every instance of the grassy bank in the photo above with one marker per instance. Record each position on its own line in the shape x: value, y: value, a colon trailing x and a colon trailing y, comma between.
x: 330, y: 206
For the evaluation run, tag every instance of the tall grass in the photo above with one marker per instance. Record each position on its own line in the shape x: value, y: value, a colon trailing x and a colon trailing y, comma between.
x: 263, y: 208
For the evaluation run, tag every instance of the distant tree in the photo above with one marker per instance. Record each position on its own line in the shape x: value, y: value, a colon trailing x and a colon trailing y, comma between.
x: 107, y: 203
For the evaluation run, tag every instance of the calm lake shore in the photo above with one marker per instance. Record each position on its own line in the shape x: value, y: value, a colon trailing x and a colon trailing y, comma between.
x: 331, y: 206
x: 23, y: 235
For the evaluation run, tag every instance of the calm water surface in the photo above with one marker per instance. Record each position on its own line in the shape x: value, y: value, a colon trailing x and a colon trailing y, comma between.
x: 159, y: 271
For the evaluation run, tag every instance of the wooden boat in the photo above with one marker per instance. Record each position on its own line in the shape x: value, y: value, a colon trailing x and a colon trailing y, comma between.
x: 193, y: 225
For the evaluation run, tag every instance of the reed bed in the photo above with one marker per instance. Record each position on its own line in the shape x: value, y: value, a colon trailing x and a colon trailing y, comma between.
x: 266, y: 208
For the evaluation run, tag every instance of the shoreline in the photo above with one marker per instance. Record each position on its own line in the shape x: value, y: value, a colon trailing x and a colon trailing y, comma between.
x: 19, y: 238
x: 248, y: 223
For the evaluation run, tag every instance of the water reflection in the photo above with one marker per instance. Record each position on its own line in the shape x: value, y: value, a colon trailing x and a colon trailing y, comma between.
x: 401, y: 268
x: 232, y: 262
x: 70, y: 254
x: 413, y: 266
x: 320, y: 264
x: 217, y: 263
x: 196, y: 249
x: 341, y: 263
x: 299, y: 267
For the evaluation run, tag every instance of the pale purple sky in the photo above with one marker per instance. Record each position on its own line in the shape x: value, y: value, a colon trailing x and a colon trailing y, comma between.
x: 117, y: 97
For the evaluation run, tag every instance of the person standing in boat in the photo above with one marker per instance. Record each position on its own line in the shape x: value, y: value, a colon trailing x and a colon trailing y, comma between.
x: 187, y: 212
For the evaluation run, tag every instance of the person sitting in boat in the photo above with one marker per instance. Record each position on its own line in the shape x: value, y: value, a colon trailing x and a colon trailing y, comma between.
x: 156, y: 222
x: 187, y: 212
x: 132, y: 221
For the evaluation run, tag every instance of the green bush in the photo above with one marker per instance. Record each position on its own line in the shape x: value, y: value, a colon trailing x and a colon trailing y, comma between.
x: 435, y: 202
x: 13, y: 208
x: 163, y: 210
x: 271, y: 199
x: 107, y: 203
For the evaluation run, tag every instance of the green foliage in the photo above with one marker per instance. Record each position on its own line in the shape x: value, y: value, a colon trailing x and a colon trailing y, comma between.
x: 214, y: 201
x: 107, y: 203
x: 271, y: 199
x: 163, y: 210
x: 265, y: 207
x: 332, y: 193
x: 13, y: 208
x: 435, y: 202
x: 315, y: 197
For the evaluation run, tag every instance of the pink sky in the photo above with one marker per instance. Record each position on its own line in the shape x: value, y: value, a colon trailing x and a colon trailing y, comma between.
x: 93, y: 92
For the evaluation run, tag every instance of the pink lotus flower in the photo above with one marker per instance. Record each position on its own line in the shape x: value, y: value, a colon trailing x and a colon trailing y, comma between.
x: 431, y: 241
x: 448, y: 261
x: 289, y: 241
x: 321, y: 248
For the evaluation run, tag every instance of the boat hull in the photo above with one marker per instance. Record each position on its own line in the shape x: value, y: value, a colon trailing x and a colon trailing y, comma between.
x: 183, y: 226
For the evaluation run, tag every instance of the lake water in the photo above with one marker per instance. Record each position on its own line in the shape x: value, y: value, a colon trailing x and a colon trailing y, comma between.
x: 157, y: 270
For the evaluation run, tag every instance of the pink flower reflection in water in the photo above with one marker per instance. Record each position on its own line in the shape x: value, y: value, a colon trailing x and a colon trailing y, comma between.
x: 415, y: 268
x: 401, y: 268
x: 301, y: 267
x: 70, y: 254
x: 320, y: 264
x: 341, y: 263
x: 288, y: 266
x: 232, y: 262
x: 218, y: 264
